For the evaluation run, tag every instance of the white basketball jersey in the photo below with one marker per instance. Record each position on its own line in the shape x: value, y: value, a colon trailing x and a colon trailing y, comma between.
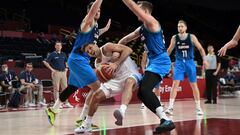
x: 127, y: 67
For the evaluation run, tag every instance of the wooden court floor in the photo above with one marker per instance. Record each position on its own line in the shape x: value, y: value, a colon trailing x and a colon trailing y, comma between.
x: 218, y: 119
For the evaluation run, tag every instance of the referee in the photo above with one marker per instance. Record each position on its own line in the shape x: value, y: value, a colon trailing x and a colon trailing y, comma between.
x: 211, y: 75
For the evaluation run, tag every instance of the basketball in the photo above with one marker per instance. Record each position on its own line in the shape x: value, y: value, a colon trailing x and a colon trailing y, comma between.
x: 102, y: 73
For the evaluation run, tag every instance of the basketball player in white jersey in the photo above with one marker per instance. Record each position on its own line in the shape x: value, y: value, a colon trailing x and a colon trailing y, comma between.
x: 125, y: 77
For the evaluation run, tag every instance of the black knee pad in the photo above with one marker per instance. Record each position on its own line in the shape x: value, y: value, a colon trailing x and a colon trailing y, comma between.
x: 139, y: 94
x: 67, y: 93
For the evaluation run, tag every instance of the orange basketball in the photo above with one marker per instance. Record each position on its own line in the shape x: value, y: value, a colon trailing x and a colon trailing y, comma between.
x: 102, y: 74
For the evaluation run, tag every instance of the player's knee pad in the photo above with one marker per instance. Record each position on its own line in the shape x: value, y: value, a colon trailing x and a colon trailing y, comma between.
x: 67, y: 92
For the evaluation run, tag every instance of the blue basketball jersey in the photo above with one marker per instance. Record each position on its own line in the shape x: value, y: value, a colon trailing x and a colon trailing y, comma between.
x: 81, y: 73
x: 158, y: 59
x: 184, y: 48
x: 154, y: 41
x: 82, y: 39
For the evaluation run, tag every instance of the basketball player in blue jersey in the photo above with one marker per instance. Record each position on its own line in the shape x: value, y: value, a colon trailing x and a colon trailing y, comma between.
x: 81, y: 73
x: 184, y: 44
x: 159, y: 61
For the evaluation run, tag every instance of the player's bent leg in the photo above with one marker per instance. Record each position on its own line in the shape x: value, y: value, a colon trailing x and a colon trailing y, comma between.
x: 94, y: 87
x: 129, y: 86
x: 97, y: 97
x: 52, y: 111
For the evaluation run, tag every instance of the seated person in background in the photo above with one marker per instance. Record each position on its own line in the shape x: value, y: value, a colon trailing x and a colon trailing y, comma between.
x: 6, y: 78
x: 230, y: 79
x: 30, y: 85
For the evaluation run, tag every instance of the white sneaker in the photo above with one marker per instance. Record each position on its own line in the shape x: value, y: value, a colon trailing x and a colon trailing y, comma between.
x: 83, y: 128
x: 118, y: 116
x: 199, y: 111
x: 169, y: 111
x: 68, y: 105
x: 32, y: 105
x: 1, y: 107
x: 142, y: 106
x: 42, y: 104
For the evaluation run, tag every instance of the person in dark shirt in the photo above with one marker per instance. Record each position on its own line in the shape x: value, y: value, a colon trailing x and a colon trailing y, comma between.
x: 30, y: 86
x: 6, y: 78
x: 57, y: 63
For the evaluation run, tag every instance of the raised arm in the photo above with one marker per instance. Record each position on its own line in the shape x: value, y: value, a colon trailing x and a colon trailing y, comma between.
x: 201, y: 50
x: 89, y: 18
x: 131, y: 36
x: 106, y: 28
x: 232, y: 43
x: 172, y: 45
x: 149, y: 21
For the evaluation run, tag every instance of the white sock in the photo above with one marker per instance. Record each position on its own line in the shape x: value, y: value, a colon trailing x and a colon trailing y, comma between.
x: 88, y: 120
x: 171, y: 102
x: 161, y: 114
x: 123, y: 109
x: 84, y: 112
x: 56, y: 105
x: 197, y: 104
x: 159, y: 98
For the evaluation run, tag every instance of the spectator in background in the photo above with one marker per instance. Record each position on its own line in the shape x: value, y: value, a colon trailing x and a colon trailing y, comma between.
x: 211, y: 75
x: 42, y: 39
x: 232, y: 43
x: 230, y: 79
x: 29, y: 86
x: 57, y: 63
x: 6, y: 78
x: 233, y: 66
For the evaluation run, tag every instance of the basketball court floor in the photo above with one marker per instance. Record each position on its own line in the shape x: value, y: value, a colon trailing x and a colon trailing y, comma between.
x: 219, y: 119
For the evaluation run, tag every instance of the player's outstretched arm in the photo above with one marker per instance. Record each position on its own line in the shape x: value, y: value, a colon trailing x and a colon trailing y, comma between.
x: 89, y: 18
x: 146, y: 18
x: 131, y: 36
x: 105, y: 29
x: 232, y: 43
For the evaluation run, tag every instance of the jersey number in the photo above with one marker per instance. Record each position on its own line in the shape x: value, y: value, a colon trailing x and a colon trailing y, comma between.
x: 184, y: 52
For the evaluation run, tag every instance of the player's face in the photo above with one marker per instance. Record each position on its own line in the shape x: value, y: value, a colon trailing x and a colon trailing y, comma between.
x: 97, y: 16
x: 182, y: 28
x: 92, y: 50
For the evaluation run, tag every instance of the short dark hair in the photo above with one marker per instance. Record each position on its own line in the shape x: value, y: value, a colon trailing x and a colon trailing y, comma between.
x: 146, y: 5
x: 58, y: 42
x: 182, y: 21
x: 89, y: 6
x: 29, y: 63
